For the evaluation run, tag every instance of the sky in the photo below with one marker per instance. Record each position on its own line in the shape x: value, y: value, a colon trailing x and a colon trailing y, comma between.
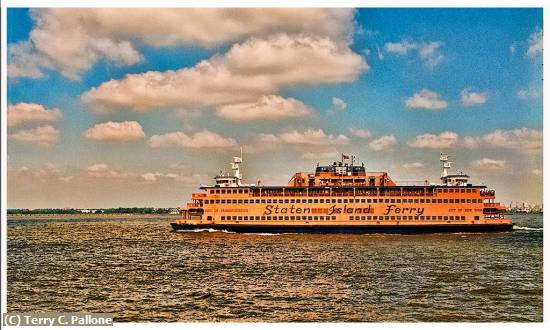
x: 139, y: 107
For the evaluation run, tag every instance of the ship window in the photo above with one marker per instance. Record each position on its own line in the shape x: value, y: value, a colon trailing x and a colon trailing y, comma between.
x: 286, y: 201
x: 463, y: 201
x: 333, y: 217
x: 421, y: 200
x: 445, y: 190
x: 258, y: 201
x: 439, y: 217
x: 205, y: 201
x: 440, y: 201
x: 339, y: 201
x: 240, y: 217
x: 422, y: 217
x: 451, y: 217
x: 245, y: 217
x: 217, y: 201
x: 416, y: 201
x: 223, y: 201
x: 469, y: 201
x: 351, y: 217
x: 315, y: 201
x: 352, y: 200
x: 292, y: 217
x: 223, y: 217
x: 286, y: 217
x: 479, y: 201
x: 375, y: 217
x: 257, y: 217
x: 445, y: 218
x: 386, y: 218
x: 428, y: 200
x: 269, y: 201
x: 368, y: 217
x: 416, y: 218
x: 240, y: 201
x: 393, y: 217
x: 410, y: 200
x: 398, y: 217
x: 246, y: 201
x: 281, y: 201
x: 468, y: 190
x: 304, y: 201
x: 445, y: 201
x: 363, y: 200
x: 392, y: 201
x: 293, y: 201
x: 462, y: 217
x: 398, y: 201
x: 368, y: 201
x: 263, y: 218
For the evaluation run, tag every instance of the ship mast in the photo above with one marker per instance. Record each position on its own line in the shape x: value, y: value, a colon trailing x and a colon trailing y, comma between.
x: 235, y: 166
x: 445, y: 164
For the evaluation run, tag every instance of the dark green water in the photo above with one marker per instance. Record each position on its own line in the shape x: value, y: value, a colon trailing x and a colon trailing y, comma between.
x: 140, y: 270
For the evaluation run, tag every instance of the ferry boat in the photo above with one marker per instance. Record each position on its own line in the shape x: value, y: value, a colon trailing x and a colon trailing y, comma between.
x: 344, y: 198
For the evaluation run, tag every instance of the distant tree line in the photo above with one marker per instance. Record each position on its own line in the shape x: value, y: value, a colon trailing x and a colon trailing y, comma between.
x: 133, y: 210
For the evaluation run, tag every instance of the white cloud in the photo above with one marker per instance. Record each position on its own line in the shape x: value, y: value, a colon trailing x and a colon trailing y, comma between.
x: 305, y: 140
x: 154, y: 177
x: 385, y: 143
x: 24, y: 62
x: 312, y: 136
x: 22, y: 113
x: 430, y: 53
x: 469, y: 98
x: 245, y: 73
x: 270, y: 107
x: 73, y: 40
x: 411, y: 166
x: 521, y: 139
x: 400, y: 48
x: 197, y: 140
x: 529, y: 93
x: 426, y: 99
x: 126, y: 131
x: 320, y: 155
x: 432, y: 141
x: 43, y: 135
x: 535, y: 43
x: 339, y: 103
x: 102, y: 170
x: 362, y: 133
x: 487, y: 164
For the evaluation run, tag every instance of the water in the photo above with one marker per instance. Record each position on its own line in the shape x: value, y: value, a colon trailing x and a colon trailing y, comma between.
x: 140, y: 270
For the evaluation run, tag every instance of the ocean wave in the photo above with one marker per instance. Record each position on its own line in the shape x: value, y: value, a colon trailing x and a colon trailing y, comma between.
x: 527, y: 228
x: 210, y: 230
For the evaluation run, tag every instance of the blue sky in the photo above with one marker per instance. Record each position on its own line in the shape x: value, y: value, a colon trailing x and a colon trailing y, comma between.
x: 464, y: 81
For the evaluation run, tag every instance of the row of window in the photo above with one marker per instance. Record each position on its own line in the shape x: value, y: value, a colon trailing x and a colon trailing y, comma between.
x: 340, y: 200
x: 351, y: 217
x: 246, y: 191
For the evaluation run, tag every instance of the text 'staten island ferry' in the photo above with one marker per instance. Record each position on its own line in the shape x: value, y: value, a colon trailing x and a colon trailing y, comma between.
x: 344, y: 198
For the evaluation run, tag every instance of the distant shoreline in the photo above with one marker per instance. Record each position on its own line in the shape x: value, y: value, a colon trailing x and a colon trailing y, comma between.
x: 93, y: 216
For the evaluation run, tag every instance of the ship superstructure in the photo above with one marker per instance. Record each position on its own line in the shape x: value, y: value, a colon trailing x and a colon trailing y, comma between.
x: 344, y: 197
